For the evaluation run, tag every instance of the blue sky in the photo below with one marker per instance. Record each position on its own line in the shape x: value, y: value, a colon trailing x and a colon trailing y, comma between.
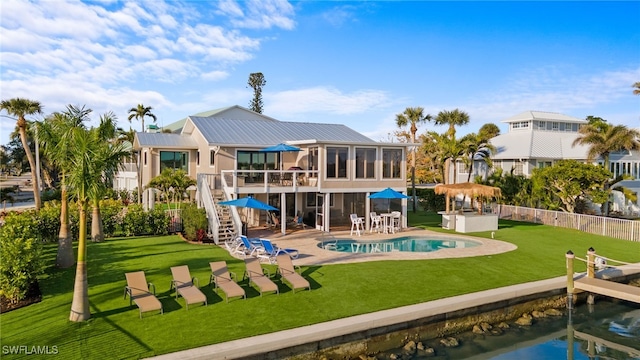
x: 355, y: 63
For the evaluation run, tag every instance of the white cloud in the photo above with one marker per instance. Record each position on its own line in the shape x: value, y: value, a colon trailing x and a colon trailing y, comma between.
x: 259, y: 14
x: 325, y: 100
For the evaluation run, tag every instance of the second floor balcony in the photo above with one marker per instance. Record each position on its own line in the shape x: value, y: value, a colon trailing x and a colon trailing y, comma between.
x: 269, y: 181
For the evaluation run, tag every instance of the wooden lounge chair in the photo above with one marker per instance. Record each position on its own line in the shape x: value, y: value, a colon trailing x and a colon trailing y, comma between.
x: 138, y: 290
x: 184, y: 285
x: 223, y: 279
x: 256, y: 275
x: 288, y: 273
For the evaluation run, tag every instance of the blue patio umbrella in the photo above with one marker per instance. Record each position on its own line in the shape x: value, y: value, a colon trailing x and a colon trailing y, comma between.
x: 248, y: 202
x: 388, y: 193
x: 280, y: 148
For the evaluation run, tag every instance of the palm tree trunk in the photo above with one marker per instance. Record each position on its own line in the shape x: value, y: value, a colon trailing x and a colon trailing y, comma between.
x: 80, y: 304
x: 64, y: 258
x: 446, y: 171
x: 97, y: 233
x: 32, y: 164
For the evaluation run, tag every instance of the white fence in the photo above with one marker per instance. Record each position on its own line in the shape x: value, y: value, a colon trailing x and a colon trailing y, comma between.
x: 599, y: 225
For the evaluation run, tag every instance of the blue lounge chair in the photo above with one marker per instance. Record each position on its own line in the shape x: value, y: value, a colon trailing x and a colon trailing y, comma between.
x: 252, y: 247
x: 270, y: 251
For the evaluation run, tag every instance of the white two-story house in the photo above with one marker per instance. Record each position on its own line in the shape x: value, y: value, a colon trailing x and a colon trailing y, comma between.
x: 327, y: 179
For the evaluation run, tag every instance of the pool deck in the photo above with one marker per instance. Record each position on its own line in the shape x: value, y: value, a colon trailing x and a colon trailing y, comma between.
x: 306, y: 242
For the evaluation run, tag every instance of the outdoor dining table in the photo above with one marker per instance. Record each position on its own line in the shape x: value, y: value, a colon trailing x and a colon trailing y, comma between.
x: 387, y: 222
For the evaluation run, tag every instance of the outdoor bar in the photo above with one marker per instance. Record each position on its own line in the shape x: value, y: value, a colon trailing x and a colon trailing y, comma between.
x: 462, y: 221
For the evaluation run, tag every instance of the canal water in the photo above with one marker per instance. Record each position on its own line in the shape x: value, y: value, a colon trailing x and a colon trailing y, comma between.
x: 606, y: 330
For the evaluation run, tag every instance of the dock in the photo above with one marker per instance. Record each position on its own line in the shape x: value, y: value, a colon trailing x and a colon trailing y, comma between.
x: 608, y: 288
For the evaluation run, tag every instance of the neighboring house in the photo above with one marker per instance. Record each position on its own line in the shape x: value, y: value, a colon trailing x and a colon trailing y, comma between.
x: 329, y: 178
x: 537, y: 139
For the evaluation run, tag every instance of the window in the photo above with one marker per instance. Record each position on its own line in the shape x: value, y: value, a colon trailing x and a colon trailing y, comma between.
x: 337, y: 162
x: 145, y: 158
x: 462, y: 168
x: 555, y: 126
x: 212, y: 157
x: 174, y: 160
x: 391, y: 163
x: 198, y: 158
x: 544, y: 164
x: 365, y: 162
x: 256, y: 160
x: 542, y: 125
x: 311, y: 199
x: 521, y: 124
x: 313, y: 162
x: 518, y: 168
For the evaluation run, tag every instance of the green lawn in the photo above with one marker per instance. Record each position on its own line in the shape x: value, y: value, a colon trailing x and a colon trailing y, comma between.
x: 115, y: 331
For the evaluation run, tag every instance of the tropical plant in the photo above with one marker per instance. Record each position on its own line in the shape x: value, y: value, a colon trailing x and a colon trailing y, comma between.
x: 452, y: 118
x: 172, y: 183
x: 20, y: 108
x: 92, y: 160
x: 194, y: 222
x: 412, y: 116
x: 489, y: 130
x: 602, y: 139
x: 447, y: 150
x: 476, y: 147
x: 55, y: 137
x: 139, y: 113
x: 256, y: 82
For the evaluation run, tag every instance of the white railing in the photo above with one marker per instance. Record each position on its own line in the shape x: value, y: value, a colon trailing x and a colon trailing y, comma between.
x: 205, y: 199
x: 228, y: 195
x: 599, y: 225
x: 264, y: 180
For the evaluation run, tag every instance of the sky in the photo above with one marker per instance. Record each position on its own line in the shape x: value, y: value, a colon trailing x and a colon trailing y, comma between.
x: 357, y: 63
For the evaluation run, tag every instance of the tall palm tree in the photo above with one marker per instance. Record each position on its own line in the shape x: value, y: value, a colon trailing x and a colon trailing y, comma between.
x: 448, y: 151
x: 54, y: 135
x: 476, y: 147
x: 139, y: 113
x: 452, y: 118
x: 603, y: 139
x: 20, y: 108
x: 92, y: 160
x: 412, y: 116
x: 115, y: 152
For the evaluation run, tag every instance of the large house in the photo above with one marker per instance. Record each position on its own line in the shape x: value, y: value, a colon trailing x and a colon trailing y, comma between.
x: 537, y: 139
x: 328, y: 177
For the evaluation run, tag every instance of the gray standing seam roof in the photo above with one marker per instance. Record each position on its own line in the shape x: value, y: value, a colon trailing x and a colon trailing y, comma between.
x: 165, y: 140
x: 257, y: 132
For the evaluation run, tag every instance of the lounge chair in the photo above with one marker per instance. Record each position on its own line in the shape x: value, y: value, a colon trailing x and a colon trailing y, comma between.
x: 271, y: 251
x: 138, y: 290
x: 252, y: 247
x: 288, y: 273
x: 223, y: 279
x: 184, y: 285
x: 256, y: 275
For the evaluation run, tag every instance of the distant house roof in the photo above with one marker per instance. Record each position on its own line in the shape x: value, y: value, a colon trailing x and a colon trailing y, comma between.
x: 176, y: 141
x: 543, y: 116
x: 222, y: 131
x: 538, y: 145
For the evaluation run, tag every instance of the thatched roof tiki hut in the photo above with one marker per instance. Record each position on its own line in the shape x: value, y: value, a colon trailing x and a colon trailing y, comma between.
x: 472, y: 190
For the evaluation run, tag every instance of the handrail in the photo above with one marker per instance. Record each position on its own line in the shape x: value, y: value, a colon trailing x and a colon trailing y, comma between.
x: 235, y: 216
x: 209, y: 206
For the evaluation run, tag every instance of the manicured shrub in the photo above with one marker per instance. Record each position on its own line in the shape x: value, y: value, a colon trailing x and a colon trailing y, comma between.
x: 109, y: 211
x: 158, y: 221
x: 21, y: 254
x: 134, y: 221
x: 49, y: 221
x: 193, y: 219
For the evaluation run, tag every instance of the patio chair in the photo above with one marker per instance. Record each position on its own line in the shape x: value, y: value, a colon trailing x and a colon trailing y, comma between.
x: 376, y: 221
x: 357, y: 224
x: 251, y: 247
x: 138, y: 290
x: 395, y: 221
x: 288, y: 273
x: 225, y: 280
x: 184, y: 285
x: 259, y: 276
x: 271, y: 251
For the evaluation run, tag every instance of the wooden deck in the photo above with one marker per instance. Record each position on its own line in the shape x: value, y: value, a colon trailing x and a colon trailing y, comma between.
x: 609, y: 288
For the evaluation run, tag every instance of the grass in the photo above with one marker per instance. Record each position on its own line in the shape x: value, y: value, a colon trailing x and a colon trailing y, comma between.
x: 115, y: 331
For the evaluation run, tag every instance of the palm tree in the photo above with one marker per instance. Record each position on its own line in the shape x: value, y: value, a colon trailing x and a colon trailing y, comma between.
x: 54, y: 135
x: 448, y: 151
x: 114, y: 153
x: 412, y: 116
x: 92, y: 160
x: 603, y: 139
x: 20, y: 108
x: 476, y: 147
x: 139, y: 113
x: 636, y: 88
x: 452, y: 118
x: 489, y: 130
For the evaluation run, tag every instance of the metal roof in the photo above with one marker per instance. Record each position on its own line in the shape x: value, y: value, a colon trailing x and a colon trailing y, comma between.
x: 538, y: 145
x: 222, y: 131
x: 543, y: 116
x: 164, y: 140
x: 178, y: 125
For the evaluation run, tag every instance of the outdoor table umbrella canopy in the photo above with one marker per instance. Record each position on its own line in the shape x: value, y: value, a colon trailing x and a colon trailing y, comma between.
x: 280, y: 148
x: 248, y: 202
x: 388, y: 193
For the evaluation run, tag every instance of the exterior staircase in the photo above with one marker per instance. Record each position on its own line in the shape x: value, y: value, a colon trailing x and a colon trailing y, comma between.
x: 226, y: 229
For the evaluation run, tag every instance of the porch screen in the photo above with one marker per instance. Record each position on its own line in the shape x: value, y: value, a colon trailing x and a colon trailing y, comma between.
x: 391, y: 163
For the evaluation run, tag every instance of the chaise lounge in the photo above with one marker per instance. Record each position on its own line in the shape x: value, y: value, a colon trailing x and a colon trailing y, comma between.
x: 138, y: 290
x: 288, y: 273
x: 184, y: 285
x: 223, y: 279
x: 256, y: 275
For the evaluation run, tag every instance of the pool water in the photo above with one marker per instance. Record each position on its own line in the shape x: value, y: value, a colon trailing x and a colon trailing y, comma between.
x: 405, y: 243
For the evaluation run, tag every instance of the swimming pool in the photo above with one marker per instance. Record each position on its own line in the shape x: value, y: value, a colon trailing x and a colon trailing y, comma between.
x: 405, y: 243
